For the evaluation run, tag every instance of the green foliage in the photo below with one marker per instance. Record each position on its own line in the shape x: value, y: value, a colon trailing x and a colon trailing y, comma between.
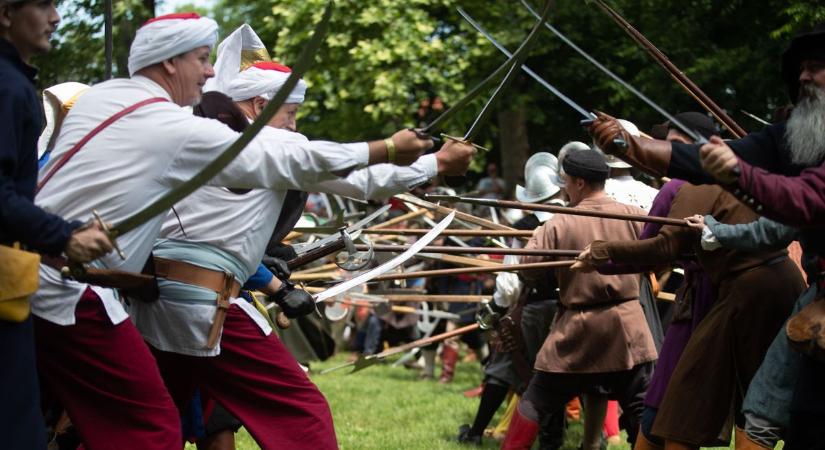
x: 383, y: 58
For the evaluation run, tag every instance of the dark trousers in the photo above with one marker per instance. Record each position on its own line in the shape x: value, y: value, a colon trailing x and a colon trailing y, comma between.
x: 106, y: 378
x: 258, y: 381
x: 21, y: 422
x: 549, y: 392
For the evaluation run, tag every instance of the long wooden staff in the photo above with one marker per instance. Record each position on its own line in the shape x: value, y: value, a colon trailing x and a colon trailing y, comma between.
x: 472, y: 250
x: 463, y: 270
x: 465, y: 233
x: 562, y: 210
x: 674, y: 71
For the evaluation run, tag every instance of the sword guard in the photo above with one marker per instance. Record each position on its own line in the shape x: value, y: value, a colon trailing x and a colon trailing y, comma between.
x: 109, y: 234
x: 464, y: 141
x: 421, y: 134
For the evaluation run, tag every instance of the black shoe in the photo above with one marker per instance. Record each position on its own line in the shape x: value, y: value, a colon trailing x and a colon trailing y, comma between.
x: 464, y: 436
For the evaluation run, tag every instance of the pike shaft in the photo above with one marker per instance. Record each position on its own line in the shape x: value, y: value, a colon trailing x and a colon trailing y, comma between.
x: 462, y: 270
x: 674, y: 71
x: 467, y: 233
x: 472, y: 250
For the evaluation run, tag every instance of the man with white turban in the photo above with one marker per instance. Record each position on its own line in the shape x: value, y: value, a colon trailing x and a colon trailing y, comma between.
x: 90, y: 356
x: 183, y: 328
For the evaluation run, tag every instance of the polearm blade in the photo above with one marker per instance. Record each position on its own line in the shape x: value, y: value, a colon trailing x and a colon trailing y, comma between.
x: 470, y: 96
x: 387, y: 266
x: 169, y: 199
x: 351, y: 229
x: 520, y: 56
x: 698, y: 138
x: 674, y: 71
x: 561, y: 210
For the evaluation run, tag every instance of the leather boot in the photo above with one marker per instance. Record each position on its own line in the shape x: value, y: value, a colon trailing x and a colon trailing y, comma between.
x: 449, y: 356
x: 642, y: 443
x: 521, y: 434
x: 744, y: 442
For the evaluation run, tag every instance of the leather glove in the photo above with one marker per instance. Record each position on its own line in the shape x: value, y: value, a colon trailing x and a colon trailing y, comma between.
x: 285, y: 252
x: 294, y: 302
x: 278, y: 267
x: 605, y: 130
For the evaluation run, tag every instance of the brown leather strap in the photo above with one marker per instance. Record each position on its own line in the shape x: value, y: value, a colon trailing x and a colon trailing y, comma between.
x: 223, y: 283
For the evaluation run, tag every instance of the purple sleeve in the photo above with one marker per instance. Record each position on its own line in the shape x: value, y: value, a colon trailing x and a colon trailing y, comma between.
x: 797, y: 201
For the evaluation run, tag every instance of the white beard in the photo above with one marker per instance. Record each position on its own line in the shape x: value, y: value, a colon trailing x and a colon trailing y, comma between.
x: 805, y: 131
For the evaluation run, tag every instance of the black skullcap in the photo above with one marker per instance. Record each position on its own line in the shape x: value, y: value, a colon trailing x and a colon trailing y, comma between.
x: 587, y: 164
x: 696, y: 121
x: 803, y: 47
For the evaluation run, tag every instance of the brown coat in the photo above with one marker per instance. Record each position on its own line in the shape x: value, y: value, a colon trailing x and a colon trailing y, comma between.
x: 606, y: 339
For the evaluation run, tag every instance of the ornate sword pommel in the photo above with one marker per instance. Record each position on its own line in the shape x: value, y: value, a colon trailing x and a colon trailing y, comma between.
x: 111, y: 235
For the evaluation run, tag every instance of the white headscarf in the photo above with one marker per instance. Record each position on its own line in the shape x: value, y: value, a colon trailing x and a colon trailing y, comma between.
x: 167, y: 36
x: 57, y: 101
x: 244, y: 70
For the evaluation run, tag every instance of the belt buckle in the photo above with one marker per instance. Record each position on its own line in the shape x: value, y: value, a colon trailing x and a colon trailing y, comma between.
x: 226, y: 291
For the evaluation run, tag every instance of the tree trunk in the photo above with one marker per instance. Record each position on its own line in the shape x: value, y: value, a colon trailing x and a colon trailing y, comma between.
x: 514, y: 146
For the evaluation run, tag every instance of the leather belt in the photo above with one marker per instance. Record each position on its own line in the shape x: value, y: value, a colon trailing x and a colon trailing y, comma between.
x: 223, y: 283
x: 600, y: 305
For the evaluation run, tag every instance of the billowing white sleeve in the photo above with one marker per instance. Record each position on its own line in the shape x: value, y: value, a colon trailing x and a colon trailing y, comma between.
x: 508, y: 285
x: 380, y: 181
x: 267, y: 161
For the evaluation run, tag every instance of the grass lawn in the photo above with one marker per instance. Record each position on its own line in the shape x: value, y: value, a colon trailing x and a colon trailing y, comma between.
x: 389, y: 408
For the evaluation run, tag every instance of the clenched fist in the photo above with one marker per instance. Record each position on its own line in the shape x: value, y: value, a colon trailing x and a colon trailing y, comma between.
x: 454, y: 158
x: 606, y: 130
x: 409, y: 146
x: 87, y: 243
x: 719, y: 161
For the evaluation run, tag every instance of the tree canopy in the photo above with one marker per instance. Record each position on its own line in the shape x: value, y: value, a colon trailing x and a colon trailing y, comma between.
x: 387, y: 64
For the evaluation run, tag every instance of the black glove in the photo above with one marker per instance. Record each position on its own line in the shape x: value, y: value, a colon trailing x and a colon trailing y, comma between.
x: 278, y: 267
x: 285, y: 252
x: 294, y: 302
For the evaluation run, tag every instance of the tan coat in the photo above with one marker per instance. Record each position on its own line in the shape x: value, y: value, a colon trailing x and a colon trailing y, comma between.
x: 606, y: 339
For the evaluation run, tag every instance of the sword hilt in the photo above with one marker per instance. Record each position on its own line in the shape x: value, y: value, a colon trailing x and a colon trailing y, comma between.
x: 421, y: 134
x: 109, y: 234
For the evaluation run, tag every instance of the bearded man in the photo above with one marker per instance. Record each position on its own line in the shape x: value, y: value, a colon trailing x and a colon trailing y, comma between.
x: 90, y: 356
x: 741, y: 166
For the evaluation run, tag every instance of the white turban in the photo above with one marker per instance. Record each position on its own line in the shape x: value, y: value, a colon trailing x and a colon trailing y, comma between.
x: 171, y: 35
x: 244, y: 70
x: 57, y: 101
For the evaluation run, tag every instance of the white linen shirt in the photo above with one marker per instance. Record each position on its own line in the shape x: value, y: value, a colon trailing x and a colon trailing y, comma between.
x: 142, y: 156
x: 241, y: 225
x: 625, y: 189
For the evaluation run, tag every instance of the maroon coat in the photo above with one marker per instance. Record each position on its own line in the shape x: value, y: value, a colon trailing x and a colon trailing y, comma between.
x: 797, y: 201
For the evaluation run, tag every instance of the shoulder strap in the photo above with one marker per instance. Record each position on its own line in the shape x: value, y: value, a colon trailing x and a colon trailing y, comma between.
x: 68, y: 155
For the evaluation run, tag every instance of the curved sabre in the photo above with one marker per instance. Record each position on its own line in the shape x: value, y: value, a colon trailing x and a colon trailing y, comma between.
x: 389, y: 265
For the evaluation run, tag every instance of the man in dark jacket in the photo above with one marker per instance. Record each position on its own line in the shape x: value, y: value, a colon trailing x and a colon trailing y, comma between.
x: 25, y: 28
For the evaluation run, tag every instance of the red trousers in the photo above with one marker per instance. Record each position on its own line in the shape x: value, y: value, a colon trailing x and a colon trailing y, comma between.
x: 257, y: 380
x: 106, y: 378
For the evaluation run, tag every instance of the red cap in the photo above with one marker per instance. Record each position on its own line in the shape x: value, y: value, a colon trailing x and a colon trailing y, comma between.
x: 271, y: 65
x: 184, y: 15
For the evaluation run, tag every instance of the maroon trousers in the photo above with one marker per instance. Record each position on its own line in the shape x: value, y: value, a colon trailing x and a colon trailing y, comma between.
x: 106, y: 378
x: 257, y: 380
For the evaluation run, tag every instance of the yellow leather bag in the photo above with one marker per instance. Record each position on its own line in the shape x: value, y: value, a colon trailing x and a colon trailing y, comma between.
x: 19, y: 276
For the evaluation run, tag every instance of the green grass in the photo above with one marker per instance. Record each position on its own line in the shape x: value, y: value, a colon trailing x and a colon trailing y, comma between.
x: 385, y: 407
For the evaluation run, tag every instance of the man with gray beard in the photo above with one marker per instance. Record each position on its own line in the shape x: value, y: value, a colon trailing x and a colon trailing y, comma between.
x: 786, y: 398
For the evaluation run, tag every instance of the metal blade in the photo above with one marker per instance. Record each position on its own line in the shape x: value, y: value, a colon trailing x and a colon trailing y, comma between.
x: 520, y: 56
x: 526, y: 69
x: 389, y: 265
x: 163, y: 204
x: 357, y: 226
x: 435, y: 124
x: 698, y: 138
